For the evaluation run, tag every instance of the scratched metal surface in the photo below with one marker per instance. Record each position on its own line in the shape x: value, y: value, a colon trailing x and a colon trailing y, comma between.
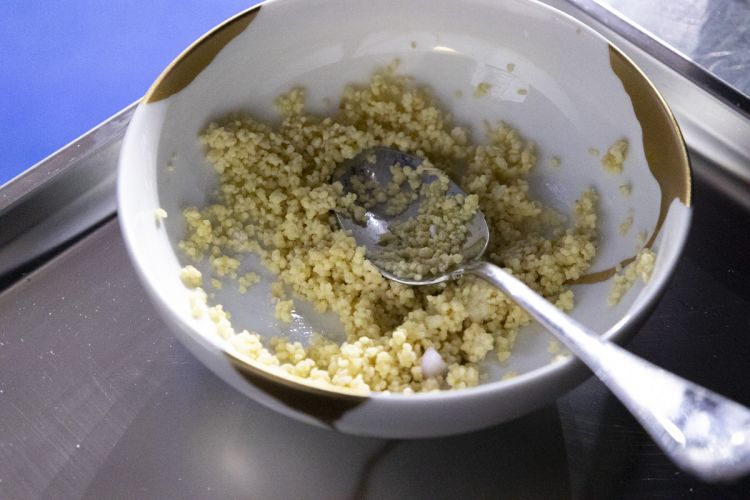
x: 97, y: 400
x: 713, y: 33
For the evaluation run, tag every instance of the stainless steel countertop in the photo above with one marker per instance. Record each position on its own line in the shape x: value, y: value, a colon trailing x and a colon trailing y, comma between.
x: 97, y: 400
x: 715, y: 34
x: 100, y: 401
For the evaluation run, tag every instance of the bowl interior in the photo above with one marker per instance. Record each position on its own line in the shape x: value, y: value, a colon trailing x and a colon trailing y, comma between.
x: 552, y: 79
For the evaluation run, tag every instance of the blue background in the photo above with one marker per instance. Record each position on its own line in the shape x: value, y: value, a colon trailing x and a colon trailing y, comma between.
x: 67, y: 65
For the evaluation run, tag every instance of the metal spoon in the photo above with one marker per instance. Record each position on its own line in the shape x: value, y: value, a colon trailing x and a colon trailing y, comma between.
x: 704, y: 433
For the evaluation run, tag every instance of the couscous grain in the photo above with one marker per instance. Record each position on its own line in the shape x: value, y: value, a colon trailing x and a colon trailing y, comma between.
x: 641, y: 268
x: 481, y: 89
x: 159, y: 215
x: 613, y: 159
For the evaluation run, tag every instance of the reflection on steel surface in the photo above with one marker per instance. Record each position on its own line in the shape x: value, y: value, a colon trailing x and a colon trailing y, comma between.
x: 60, y: 198
x: 713, y: 33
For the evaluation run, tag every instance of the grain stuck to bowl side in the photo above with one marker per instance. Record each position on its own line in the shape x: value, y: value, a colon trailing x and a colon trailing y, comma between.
x: 275, y: 198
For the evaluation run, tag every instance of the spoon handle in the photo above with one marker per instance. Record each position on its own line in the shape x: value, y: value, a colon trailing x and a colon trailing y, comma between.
x: 704, y: 433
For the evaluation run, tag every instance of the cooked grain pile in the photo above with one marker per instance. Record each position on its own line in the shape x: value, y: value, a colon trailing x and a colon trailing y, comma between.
x: 275, y: 199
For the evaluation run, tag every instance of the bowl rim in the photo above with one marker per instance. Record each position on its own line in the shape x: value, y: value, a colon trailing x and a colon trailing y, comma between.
x: 617, y: 333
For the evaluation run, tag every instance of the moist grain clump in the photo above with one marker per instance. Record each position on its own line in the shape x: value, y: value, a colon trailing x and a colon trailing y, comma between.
x: 642, y: 267
x: 430, y: 242
x: 614, y: 158
x: 275, y: 199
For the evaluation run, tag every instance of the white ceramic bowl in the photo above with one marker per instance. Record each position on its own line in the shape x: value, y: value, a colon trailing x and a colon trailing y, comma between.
x: 581, y: 93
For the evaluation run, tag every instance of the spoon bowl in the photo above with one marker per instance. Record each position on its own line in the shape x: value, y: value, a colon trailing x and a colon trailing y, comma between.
x: 374, y: 165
